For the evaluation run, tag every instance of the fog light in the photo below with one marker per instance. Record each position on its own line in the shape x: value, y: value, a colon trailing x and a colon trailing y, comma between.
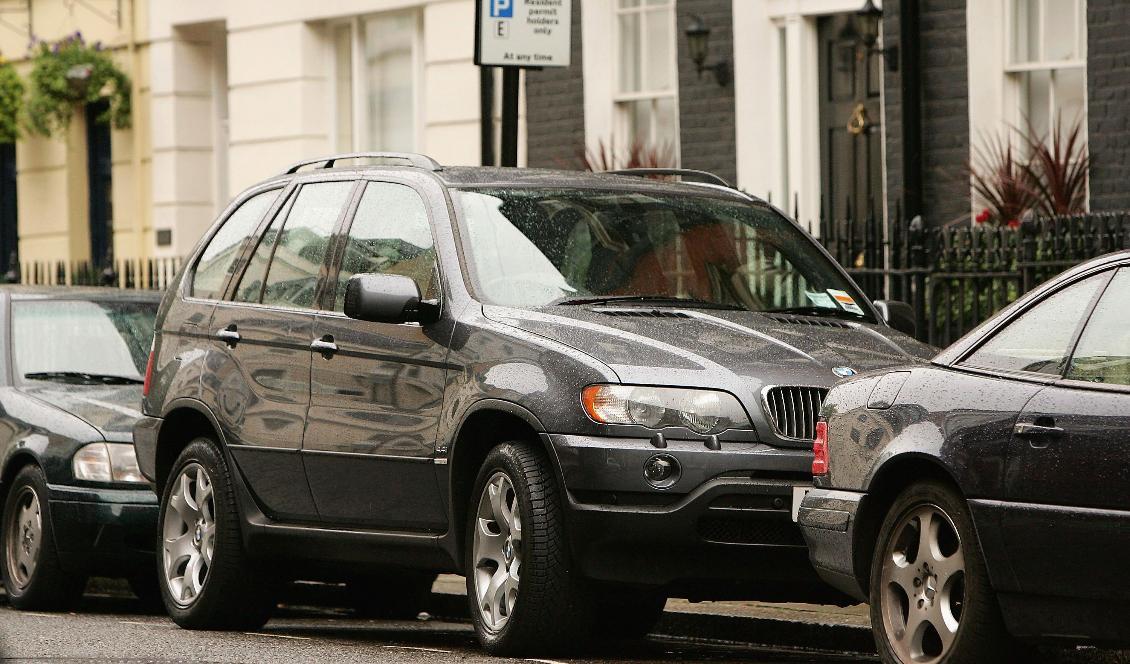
x: 661, y: 471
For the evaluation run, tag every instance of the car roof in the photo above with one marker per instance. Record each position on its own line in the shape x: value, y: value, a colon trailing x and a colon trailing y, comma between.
x: 22, y: 292
x: 495, y: 177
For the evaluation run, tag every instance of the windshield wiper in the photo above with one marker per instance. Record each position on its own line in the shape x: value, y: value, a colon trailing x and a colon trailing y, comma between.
x: 657, y: 300
x: 86, y: 378
x: 817, y: 311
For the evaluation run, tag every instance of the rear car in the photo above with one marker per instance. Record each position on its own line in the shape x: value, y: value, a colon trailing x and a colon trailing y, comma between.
x: 74, y: 501
x: 584, y: 392
x: 985, y: 498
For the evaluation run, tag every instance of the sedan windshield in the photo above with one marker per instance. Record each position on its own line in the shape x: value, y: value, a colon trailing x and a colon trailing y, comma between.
x: 540, y: 247
x: 82, y: 341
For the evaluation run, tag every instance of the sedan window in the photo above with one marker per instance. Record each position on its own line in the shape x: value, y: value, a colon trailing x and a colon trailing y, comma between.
x: 1103, y: 354
x: 1039, y: 341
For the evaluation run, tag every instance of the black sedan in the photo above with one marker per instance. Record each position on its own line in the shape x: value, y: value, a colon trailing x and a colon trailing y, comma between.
x: 984, y: 499
x: 75, y: 504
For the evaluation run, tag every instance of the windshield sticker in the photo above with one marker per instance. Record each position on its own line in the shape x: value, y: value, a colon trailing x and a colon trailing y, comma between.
x: 845, y: 301
x: 822, y: 300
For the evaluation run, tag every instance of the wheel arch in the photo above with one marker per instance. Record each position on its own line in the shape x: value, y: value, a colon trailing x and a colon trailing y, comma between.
x: 484, y: 425
x: 886, y: 483
x: 183, y: 421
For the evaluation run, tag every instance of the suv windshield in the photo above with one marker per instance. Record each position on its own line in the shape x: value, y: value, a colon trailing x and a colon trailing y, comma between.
x: 81, y: 341
x: 539, y: 247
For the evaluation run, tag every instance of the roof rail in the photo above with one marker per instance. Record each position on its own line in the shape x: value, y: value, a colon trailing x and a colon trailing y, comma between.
x: 702, y: 176
x: 413, y: 159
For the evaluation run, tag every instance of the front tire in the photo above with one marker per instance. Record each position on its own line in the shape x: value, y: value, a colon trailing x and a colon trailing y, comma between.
x: 524, y: 597
x: 931, y: 601
x: 207, y: 579
x: 33, y: 577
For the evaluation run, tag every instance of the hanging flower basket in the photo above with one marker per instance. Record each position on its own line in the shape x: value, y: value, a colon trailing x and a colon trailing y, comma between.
x: 70, y: 73
x: 11, y: 102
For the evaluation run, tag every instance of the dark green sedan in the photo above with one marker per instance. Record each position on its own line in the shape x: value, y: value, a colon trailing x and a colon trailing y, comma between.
x: 74, y: 502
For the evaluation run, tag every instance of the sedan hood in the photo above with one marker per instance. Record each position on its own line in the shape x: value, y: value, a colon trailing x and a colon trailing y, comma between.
x: 112, y: 409
x: 739, y: 351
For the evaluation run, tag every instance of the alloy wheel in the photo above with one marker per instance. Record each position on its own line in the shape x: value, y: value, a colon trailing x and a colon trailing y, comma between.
x: 923, y: 589
x: 24, y: 537
x: 497, y: 551
x: 189, y: 537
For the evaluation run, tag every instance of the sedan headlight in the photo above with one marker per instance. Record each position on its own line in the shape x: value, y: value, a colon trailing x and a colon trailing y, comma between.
x: 107, y: 462
x: 701, y: 411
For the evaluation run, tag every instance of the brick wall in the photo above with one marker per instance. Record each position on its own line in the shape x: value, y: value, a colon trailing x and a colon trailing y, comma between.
x: 943, y: 54
x: 1108, y: 97
x: 555, y: 109
x: 706, y: 110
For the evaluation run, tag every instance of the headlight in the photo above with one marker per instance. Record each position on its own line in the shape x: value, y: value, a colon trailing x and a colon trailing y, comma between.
x: 701, y: 411
x: 107, y: 462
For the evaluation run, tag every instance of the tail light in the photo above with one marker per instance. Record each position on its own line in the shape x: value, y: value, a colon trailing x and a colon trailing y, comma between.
x: 820, y: 450
x: 148, y: 374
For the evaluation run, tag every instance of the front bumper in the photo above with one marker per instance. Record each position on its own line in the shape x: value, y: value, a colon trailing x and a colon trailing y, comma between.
x: 145, y: 432
x: 828, y: 520
x: 111, y: 532
x: 723, y: 531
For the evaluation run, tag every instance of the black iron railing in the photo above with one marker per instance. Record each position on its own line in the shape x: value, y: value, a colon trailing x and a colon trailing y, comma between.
x: 957, y: 276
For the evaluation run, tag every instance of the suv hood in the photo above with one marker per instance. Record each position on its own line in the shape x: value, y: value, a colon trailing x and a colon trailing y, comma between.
x: 740, y: 352
x: 112, y: 409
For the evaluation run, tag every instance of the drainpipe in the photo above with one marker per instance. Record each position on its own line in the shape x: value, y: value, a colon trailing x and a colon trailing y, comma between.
x: 910, y: 88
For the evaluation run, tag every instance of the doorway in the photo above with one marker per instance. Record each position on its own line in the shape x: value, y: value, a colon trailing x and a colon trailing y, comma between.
x: 851, y: 149
x: 99, y: 172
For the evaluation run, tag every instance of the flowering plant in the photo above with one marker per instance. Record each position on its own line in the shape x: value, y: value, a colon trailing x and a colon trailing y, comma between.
x: 68, y: 73
x: 11, y: 102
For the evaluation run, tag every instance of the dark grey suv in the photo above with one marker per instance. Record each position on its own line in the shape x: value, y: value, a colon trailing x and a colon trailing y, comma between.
x: 585, y: 392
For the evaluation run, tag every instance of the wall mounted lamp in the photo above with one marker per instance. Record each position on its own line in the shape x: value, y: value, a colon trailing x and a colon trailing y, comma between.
x: 698, y: 45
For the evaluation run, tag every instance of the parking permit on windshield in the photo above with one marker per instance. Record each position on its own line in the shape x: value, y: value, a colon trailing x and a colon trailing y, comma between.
x: 819, y: 299
x: 799, y: 492
x: 846, y: 302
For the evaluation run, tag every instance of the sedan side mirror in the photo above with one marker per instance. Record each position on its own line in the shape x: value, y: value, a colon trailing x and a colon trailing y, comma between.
x: 388, y: 298
x: 898, y: 315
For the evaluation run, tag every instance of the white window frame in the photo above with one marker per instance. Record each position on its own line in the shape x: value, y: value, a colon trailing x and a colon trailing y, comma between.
x: 1014, y: 71
x: 622, y: 100
x: 360, y: 90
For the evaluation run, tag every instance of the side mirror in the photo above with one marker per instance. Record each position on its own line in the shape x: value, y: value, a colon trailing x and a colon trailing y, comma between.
x: 388, y: 298
x: 898, y: 315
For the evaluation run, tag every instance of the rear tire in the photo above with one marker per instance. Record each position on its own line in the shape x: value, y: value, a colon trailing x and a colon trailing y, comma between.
x: 934, y: 606
x: 33, y: 576
x: 207, y: 580
x: 394, y: 595
x: 524, y: 596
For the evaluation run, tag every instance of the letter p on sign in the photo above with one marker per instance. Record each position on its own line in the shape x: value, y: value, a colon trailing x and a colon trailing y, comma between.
x: 502, y: 8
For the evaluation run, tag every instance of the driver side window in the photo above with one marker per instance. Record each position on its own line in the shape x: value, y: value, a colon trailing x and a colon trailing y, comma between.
x: 1039, y: 341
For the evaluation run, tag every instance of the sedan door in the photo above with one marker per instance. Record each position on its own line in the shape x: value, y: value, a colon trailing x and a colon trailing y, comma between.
x: 262, y: 384
x: 377, y: 388
x: 1068, y: 471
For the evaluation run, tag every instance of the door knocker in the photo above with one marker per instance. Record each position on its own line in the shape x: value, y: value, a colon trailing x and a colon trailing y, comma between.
x: 859, y: 121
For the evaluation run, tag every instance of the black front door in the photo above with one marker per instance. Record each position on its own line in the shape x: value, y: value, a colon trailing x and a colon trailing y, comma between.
x: 9, y: 209
x: 850, y: 138
x: 375, y: 401
x: 99, y: 171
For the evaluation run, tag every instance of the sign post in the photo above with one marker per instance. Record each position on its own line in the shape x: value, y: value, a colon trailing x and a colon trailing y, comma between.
x: 516, y: 35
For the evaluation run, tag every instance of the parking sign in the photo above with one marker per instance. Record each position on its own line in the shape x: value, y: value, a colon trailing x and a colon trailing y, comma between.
x: 522, y: 33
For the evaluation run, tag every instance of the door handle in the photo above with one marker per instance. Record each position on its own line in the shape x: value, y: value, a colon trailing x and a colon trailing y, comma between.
x: 1037, y: 433
x: 1036, y: 430
x: 325, y: 346
x: 228, y: 335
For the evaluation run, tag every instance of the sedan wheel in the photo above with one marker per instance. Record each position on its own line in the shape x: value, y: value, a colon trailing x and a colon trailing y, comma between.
x: 25, y: 533
x: 498, y: 551
x: 189, y: 538
x: 931, y: 599
x: 924, y: 585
